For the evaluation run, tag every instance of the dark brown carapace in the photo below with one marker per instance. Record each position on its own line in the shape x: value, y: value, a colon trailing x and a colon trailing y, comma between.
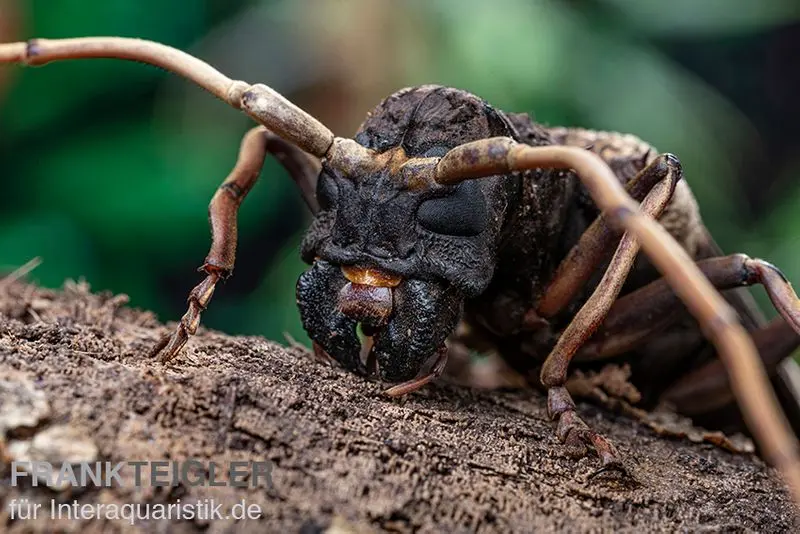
x: 443, y: 210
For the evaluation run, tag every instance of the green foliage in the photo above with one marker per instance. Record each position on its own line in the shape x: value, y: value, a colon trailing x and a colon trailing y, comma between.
x: 108, y: 166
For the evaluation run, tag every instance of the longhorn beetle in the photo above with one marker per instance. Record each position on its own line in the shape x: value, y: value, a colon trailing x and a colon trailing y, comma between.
x: 443, y: 209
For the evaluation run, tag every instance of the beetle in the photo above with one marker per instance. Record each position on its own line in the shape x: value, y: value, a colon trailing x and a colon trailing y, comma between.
x: 443, y: 210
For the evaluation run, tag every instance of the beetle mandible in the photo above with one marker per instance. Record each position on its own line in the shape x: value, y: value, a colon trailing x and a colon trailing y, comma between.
x: 444, y: 209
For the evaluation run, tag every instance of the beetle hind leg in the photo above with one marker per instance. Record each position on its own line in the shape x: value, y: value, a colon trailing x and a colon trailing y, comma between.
x: 626, y: 327
x: 706, y: 392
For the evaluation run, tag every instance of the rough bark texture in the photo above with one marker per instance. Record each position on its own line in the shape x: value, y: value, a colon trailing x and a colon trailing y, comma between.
x: 444, y: 460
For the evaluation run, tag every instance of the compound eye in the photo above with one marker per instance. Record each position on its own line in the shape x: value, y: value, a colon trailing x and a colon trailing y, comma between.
x: 327, y: 191
x: 462, y: 213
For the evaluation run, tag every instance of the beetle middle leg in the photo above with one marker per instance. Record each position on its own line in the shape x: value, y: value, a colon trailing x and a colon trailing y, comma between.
x: 707, y: 389
x: 223, y: 211
x: 626, y: 327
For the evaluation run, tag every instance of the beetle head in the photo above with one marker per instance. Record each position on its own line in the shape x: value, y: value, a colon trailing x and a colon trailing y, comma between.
x: 390, y: 248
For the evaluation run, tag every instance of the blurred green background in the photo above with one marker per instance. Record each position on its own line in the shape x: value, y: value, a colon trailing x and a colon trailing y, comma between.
x: 108, y: 167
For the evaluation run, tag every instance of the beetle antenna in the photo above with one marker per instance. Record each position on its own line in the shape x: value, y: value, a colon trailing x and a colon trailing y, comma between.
x: 265, y: 105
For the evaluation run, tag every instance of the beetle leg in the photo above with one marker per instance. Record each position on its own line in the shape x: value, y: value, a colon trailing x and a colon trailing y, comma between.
x: 574, y: 432
x: 597, y: 242
x: 223, y: 210
x: 708, y: 388
x: 626, y: 327
x: 571, y: 428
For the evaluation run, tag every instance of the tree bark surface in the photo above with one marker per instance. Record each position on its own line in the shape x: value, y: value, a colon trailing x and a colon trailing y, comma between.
x: 345, y: 458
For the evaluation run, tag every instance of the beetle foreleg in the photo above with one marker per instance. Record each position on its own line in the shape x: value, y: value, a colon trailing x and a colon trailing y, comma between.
x: 574, y: 432
x: 589, y: 318
x: 597, y: 242
x: 223, y: 210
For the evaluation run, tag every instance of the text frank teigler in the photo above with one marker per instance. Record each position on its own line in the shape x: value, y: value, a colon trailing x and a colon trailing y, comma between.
x: 138, y: 474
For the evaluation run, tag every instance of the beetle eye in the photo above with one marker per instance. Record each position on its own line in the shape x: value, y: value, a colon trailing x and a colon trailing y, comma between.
x: 462, y: 213
x: 327, y: 191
